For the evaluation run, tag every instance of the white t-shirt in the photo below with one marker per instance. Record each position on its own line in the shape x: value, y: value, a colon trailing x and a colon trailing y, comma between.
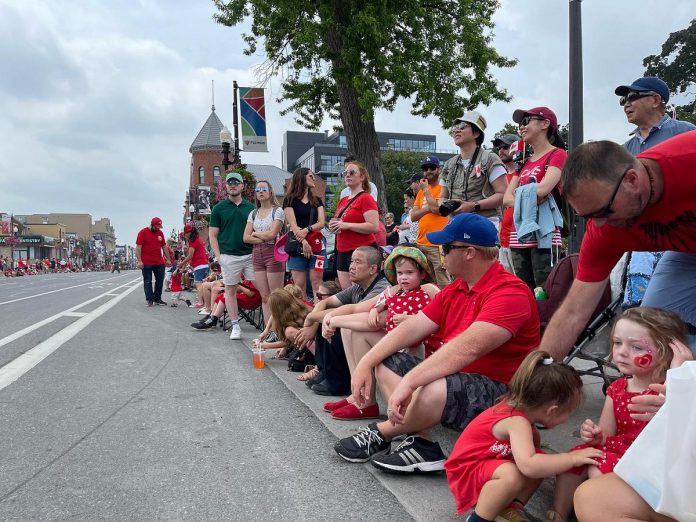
x: 373, y: 191
x: 263, y: 224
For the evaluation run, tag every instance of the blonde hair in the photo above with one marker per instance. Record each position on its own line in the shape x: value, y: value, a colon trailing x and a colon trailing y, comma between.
x: 540, y: 381
x: 295, y: 290
x: 664, y: 327
x: 286, y: 311
x: 272, y: 197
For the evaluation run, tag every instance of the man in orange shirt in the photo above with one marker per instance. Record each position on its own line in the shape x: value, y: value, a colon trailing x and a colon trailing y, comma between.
x: 425, y: 212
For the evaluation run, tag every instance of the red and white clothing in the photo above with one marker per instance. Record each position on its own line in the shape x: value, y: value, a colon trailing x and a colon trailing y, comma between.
x: 409, y: 303
x: 497, y: 298
x: 151, y: 244
x: 627, y: 429
x: 536, y: 170
x: 175, y: 285
x: 478, y: 453
x: 349, y: 240
x: 669, y: 224
x: 200, y: 256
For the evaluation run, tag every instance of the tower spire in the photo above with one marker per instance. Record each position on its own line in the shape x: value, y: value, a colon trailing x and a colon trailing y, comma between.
x: 212, y: 88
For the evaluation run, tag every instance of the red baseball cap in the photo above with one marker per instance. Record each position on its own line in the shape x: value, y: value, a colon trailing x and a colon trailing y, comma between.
x: 542, y: 112
x: 156, y: 222
x: 188, y: 228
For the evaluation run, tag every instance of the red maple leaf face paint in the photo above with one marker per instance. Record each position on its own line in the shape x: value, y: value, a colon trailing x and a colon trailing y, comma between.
x: 643, y: 361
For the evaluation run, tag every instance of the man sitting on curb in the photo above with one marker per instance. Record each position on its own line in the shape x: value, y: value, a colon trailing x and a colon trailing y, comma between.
x: 488, y: 321
x: 334, y: 376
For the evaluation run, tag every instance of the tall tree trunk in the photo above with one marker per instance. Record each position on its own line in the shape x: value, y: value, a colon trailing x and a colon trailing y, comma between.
x: 362, y: 139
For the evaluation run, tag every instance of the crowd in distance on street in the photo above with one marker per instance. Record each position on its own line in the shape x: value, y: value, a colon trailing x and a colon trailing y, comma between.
x: 438, y: 312
x: 24, y: 267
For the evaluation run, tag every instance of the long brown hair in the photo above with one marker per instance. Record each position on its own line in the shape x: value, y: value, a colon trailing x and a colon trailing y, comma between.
x: 664, y: 327
x: 297, y: 188
x: 540, y: 381
x: 286, y: 311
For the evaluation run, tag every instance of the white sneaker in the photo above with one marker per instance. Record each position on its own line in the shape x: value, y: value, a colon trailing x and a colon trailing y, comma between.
x: 236, y: 333
x: 203, y: 311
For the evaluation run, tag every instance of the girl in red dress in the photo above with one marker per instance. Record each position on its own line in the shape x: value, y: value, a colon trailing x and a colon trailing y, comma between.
x: 645, y: 343
x: 496, y: 464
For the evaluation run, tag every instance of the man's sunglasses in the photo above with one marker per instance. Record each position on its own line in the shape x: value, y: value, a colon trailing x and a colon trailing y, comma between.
x: 525, y: 121
x: 460, y: 125
x: 234, y: 182
x: 606, y: 210
x: 633, y: 96
x: 448, y: 247
x: 426, y: 168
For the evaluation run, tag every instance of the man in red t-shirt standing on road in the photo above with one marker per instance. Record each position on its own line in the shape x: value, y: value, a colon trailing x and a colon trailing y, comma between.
x: 646, y: 203
x: 151, y: 251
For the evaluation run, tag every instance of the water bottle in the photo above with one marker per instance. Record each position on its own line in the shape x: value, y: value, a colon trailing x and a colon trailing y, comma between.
x: 258, y: 355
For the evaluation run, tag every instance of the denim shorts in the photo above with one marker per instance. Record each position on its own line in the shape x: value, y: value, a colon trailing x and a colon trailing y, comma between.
x: 303, y: 264
x: 199, y: 274
x: 468, y: 394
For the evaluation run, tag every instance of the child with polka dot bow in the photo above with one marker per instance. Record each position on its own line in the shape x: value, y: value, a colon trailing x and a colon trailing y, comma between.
x: 645, y: 343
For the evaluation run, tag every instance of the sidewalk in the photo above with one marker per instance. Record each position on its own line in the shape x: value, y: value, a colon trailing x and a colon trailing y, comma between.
x: 427, y: 497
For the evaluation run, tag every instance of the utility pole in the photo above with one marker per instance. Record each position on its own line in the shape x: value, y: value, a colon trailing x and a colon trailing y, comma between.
x: 575, y: 134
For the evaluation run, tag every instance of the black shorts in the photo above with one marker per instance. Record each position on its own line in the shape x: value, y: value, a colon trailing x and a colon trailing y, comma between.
x: 468, y: 394
x: 343, y: 260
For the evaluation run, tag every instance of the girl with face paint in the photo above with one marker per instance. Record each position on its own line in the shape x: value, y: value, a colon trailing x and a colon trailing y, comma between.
x: 645, y: 343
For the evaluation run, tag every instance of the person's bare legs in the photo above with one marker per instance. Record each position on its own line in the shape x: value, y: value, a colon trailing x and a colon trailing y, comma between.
x: 424, y: 411
x: 566, y: 484
x: 356, y: 344
x: 299, y: 277
x: 264, y: 289
x: 344, y: 279
x: 231, y: 302
x: 315, y: 279
x: 610, y: 498
x: 506, y: 484
x: 275, y: 281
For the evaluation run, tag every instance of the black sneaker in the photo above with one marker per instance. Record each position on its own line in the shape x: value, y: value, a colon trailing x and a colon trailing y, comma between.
x: 363, y: 445
x: 160, y: 303
x: 414, y: 454
x: 205, y: 324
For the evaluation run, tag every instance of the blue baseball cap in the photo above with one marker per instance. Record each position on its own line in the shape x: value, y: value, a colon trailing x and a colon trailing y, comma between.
x: 472, y: 229
x: 431, y: 160
x: 646, y: 83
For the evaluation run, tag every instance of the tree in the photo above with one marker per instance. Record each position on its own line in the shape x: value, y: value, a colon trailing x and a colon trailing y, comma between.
x: 346, y: 58
x: 676, y: 65
x: 508, y: 128
x: 398, y: 168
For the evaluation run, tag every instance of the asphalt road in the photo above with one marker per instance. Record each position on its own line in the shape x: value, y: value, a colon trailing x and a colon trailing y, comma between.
x: 113, y: 411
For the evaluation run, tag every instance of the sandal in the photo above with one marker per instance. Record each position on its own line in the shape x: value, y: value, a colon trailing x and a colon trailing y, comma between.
x: 553, y: 516
x: 282, y: 353
x: 310, y: 372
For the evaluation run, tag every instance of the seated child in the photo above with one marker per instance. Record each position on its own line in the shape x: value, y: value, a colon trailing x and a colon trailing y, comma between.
x: 645, y: 342
x: 496, y: 463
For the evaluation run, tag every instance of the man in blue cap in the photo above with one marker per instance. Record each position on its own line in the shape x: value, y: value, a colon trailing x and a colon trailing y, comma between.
x: 644, y: 102
x: 487, y: 320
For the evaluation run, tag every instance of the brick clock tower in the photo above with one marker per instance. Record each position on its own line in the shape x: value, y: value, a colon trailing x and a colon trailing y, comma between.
x: 206, y: 165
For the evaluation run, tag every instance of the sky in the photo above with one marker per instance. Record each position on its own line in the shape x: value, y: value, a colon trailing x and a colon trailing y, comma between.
x: 100, y: 100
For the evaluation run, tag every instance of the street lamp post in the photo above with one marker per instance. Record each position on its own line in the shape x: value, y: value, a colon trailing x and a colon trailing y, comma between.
x: 226, y: 140
x: 12, y: 244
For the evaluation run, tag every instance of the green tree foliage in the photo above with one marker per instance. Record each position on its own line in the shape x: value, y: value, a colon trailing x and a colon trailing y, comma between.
x: 676, y: 65
x: 508, y: 128
x: 346, y: 58
x: 398, y: 168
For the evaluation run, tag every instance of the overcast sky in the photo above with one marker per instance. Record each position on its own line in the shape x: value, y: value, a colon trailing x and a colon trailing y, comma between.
x: 100, y: 100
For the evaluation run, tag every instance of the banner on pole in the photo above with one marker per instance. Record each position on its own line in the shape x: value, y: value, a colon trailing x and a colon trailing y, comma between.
x: 203, y: 200
x: 5, y: 225
x: 253, y: 112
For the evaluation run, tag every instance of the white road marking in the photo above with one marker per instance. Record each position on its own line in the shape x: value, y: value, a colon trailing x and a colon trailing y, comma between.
x: 37, y: 325
x: 54, y: 291
x: 25, y: 362
x: 76, y: 314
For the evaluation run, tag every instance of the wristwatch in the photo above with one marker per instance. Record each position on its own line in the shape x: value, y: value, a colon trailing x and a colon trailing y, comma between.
x: 477, y: 206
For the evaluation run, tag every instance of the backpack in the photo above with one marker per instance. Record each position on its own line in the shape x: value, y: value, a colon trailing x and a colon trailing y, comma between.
x: 557, y: 286
x: 563, y: 206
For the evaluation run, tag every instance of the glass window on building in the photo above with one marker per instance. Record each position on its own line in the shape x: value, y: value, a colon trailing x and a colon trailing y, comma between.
x: 331, y: 163
x: 201, y: 175
x: 216, y: 174
x: 342, y: 141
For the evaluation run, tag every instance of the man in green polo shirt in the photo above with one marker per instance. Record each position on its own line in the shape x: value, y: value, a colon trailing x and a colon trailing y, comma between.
x: 227, y: 222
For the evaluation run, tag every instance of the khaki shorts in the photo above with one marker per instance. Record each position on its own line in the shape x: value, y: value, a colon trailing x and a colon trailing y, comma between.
x: 233, y: 266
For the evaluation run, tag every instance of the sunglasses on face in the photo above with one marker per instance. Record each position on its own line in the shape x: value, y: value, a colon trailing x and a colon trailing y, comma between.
x: 448, y: 247
x: 351, y: 172
x: 461, y: 125
x: 321, y: 296
x: 426, y: 168
x: 525, y: 121
x: 633, y: 96
x: 310, y: 176
x: 233, y: 182
x: 606, y: 210
x: 261, y: 189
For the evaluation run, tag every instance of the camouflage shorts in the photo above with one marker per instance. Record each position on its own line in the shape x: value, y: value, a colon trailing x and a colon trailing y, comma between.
x: 468, y: 394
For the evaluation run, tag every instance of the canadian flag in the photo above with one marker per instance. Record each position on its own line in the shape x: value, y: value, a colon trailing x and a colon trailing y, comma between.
x: 517, y: 146
x: 319, y: 264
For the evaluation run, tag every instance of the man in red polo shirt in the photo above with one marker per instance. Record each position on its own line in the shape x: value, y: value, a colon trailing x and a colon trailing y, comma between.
x: 150, y: 251
x: 488, y: 321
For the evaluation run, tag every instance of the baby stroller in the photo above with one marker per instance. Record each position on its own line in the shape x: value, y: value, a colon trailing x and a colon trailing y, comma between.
x: 556, y: 288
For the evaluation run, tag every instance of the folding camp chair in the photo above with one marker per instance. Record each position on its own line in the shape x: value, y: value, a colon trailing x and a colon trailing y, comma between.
x: 248, y: 308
